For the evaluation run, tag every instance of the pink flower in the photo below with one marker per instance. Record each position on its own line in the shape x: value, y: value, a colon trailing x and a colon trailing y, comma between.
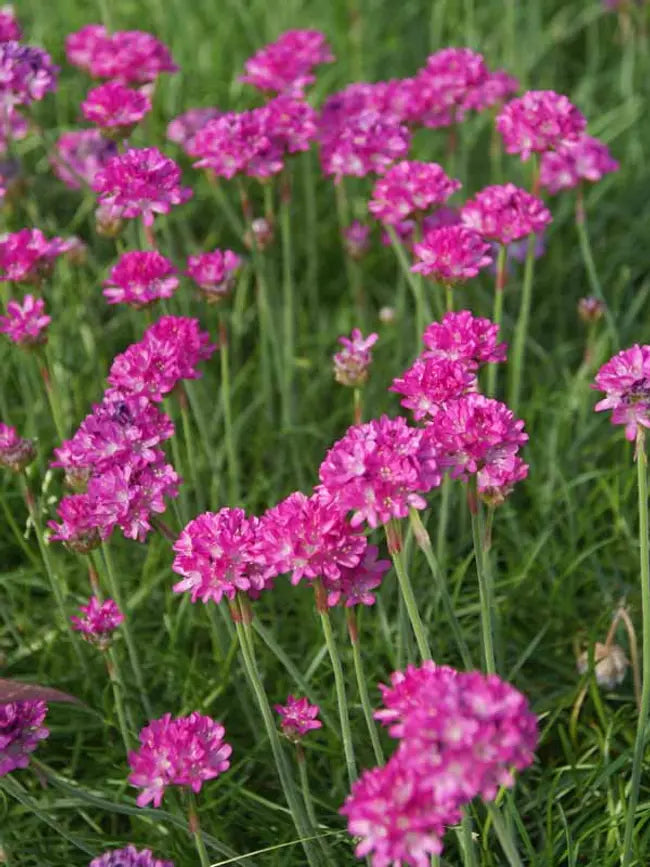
x: 356, y: 239
x: 79, y: 155
x: 99, y: 621
x: 25, y: 323
x: 9, y: 26
x: 493, y: 91
x: 82, y: 45
x: 27, y: 255
x: 538, y: 121
x: 112, y: 106
x: 444, y: 84
x: 354, y: 586
x: 586, y: 158
x: 409, y: 187
x: 625, y: 379
x: 352, y: 362
x: 80, y: 529
x: 141, y: 182
x: 464, y: 337
x: 21, y: 729
x: 182, y: 129
x: 139, y: 278
x: 129, y: 857
x: 185, y: 751
x: 285, y: 66
x: 505, y: 213
x: 127, y: 56
x: 363, y: 143
x: 218, y: 555
x: 431, y: 382
x: 15, y: 452
x: 379, y: 470
x: 214, y: 273
x: 451, y: 254
x: 297, y: 718
x: 26, y: 74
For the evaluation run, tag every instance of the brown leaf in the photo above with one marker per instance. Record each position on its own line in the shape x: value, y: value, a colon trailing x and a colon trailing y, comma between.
x: 14, y: 690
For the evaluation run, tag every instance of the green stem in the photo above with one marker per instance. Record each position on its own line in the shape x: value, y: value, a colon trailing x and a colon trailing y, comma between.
x: 195, y: 829
x: 189, y: 448
x: 52, y: 397
x: 394, y: 540
x: 362, y: 685
x: 288, y: 345
x: 521, y: 329
x: 226, y: 399
x: 642, y: 724
x: 339, y: 680
x: 358, y: 406
x: 304, y: 785
x: 118, y: 692
x: 443, y: 520
x: 505, y: 837
x: 413, y: 280
x: 497, y: 314
x: 311, y: 234
x: 469, y: 848
x: 449, y: 298
x: 485, y: 580
x: 352, y: 270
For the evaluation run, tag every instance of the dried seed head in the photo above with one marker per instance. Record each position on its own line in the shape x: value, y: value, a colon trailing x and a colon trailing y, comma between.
x: 610, y: 664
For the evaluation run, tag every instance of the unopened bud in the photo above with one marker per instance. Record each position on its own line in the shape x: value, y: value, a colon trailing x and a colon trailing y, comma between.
x: 590, y: 309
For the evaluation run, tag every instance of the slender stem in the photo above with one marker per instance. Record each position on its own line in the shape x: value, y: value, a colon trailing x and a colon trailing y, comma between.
x: 469, y: 847
x: 505, y: 837
x: 311, y: 233
x: 288, y: 342
x: 339, y: 680
x: 443, y: 520
x: 226, y: 399
x: 521, y: 329
x: 118, y: 695
x: 358, y: 406
x: 362, y: 685
x: 352, y: 270
x: 189, y: 446
x: 497, y: 313
x: 304, y: 785
x: 449, y: 298
x: 414, y: 281
x: 195, y: 829
x: 394, y: 540
x: 485, y: 581
x: 642, y: 724
x: 52, y: 397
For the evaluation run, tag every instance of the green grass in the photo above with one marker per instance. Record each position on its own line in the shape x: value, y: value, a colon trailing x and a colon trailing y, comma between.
x: 565, y: 544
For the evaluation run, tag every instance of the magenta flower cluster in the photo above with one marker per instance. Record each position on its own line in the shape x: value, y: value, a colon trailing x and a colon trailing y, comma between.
x: 185, y: 751
x: 25, y: 322
x: 113, y: 107
x: 15, y: 451
x: 584, y: 159
x: 410, y: 187
x: 139, y: 278
x: 27, y: 256
x: 505, y: 213
x: 286, y: 65
x: 98, y: 622
x: 27, y: 74
x: 451, y: 254
x: 625, y: 379
x: 297, y: 718
x: 214, y: 273
x: 129, y: 857
x: 351, y: 364
x: 21, y: 730
x: 126, y: 56
x: 538, y: 121
x: 78, y: 156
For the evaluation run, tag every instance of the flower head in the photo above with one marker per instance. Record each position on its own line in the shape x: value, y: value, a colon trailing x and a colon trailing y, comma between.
x: 21, y: 728
x: 444, y: 84
x: 185, y: 751
x: 129, y: 857
x: 625, y: 379
x: 505, y: 213
x: 464, y: 337
x: 298, y: 717
x: 25, y: 323
x: 9, y: 26
x: 115, y: 108
x: 352, y: 362
x: 26, y: 74
x: 355, y: 584
x: 497, y: 86
x: 182, y: 129
x: 15, y: 452
x: 585, y: 159
x: 214, y: 273
x: 99, y: 621
x: 409, y: 187
x: 451, y: 254
x: 362, y: 143
x: 27, y: 255
x: 79, y: 155
x: 286, y: 65
x: 139, y: 278
x: 356, y: 239
x: 538, y: 121
x: 431, y: 382
x: 126, y: 56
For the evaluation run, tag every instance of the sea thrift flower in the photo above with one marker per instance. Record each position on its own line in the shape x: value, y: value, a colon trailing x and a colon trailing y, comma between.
x: 15, y: 452
x: 285, y: 66
x: 185, y: 751
x: 625, y: 379
x: 351, y: 363
x: 80, y: 529
x: 538, y: 121
x: 129, y: 857
x: 115, y: 108
x: 444, y: 83
x: 127, y: 56
x: 82, y: 45
x: 99, y: 621
x: 218, y: 555
x: 214, y: 273
x: 182, y: 129
x: 364, y: 143
x: 9, y: 27
x: 505, y: 213
x: 297, y: 718
x: 26, y: 74
x: 25, y: 323
x: 79, y: 155
x: 141, y: 182
x: 27, y: 255
x: 356, y: 238
x: 354, y: 586
x: 493, y: 91
x: 432, y: 381
x: 464, y: 337
x: 571, y: 162
x: 451, y: 255
x: 379, y: 470
x: 140, y: 278
x: 21, y: 728
x: 409, y: 187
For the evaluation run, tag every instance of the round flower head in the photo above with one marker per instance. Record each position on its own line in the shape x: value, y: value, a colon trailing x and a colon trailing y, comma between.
x: 27, y: 255
x: 379, y: 470
x: 464, y: 337
x: 15, y: 452
x: 140, y: 183
x: 297, y: 718
x: 451, y: 254
x: 352, y: 362
x: 493, y: 91
x: 538, y: 121
x: 85, y: 44
x: 9, y: 26
x: 182, y: 129
x: 409, y: 187
x: 285, y: 66
x: 129, y: 857
x: 26, y: 74
x: 442, y: 86
x: 367, y: 142
x: 185, y: 751
x: 356, y: 239
x: 625, y: 379
x: 99, y: 621
x: 21, y: 728
x: 139, y: 278
x: 354, y: 585
x: 214, y: 273
x: 585, y: 159
x: 115, y: 108
x: 79, y: 155
x: 25, y: 323
x: 127, y: 56
x: 432, y: 381
x: 505, y: 213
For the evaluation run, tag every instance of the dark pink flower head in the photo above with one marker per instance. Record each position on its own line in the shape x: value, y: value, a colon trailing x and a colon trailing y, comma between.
x: 297, y: 718
x: 217, y: 554
x: 85, y: 44
x: 538, y: 121
x: 140, y: 183
x: 9, y: 26
x: 26, y: 74
x: 585, y: 159
x: 186, y: 751
x: 493, y: 91
x: 15, y: 452
x: 451, y: 254
x: 129, y: 857
x: 464, y: 337
x: 27, y: 255
x: 139, y: 278
x: 21, y: 729
x: 351, y: 363
x: 286, y: 65
x: 354, y: 586
x: 444, y: 83
x: 379, y: 470
x: 25, y: 323
x: 80, y: 528
x: 127, y: 56
x: 366, y: 142
x: 505, y: 213
x: 214, y: 273
x: 410, y: 187
x: 115, y: 107
x: 356, y: 238
x: 430, y: 382
x: 79, y: 155
x: 625, y: 379
x: 98, y: 622
x: 182, y: 129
